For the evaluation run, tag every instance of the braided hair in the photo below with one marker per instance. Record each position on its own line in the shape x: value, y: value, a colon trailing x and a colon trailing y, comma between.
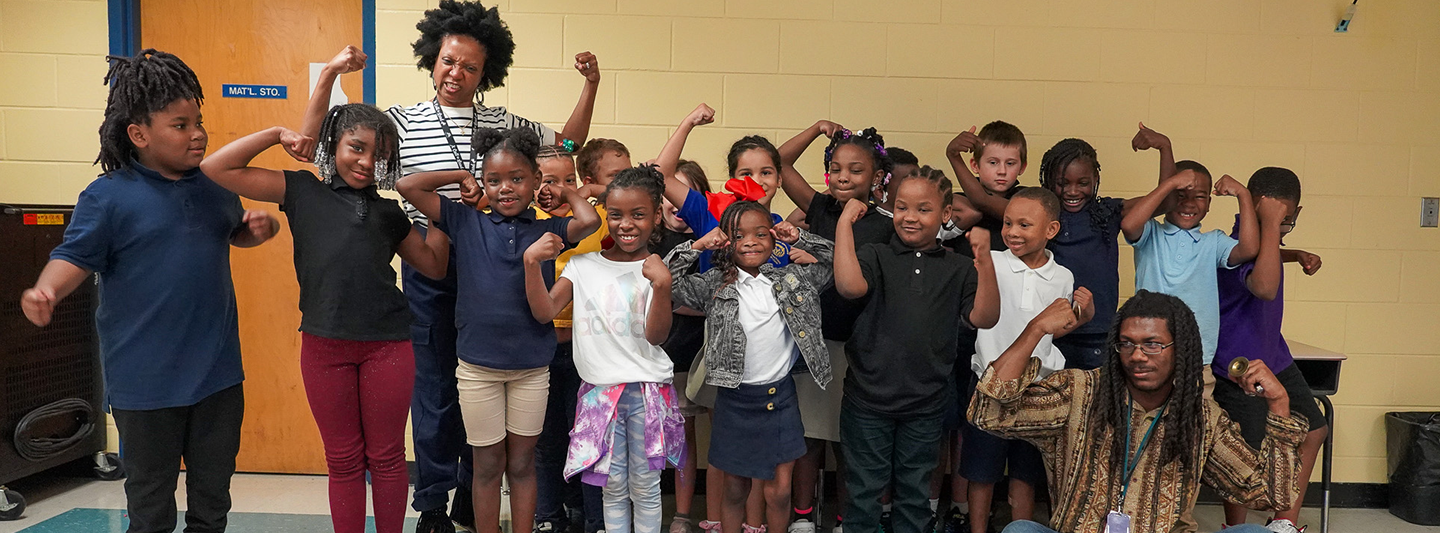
x: 139, y: 86
x: 523, y: 142
x: 724, y: 258
x: 473, y: 20
x: 647, y: 178
x: 1052, y: 168
x: 748, y: 143
x: 936, y: 177
x: 1184, y: 425
x: 343, y: 119
x: 869, y: 140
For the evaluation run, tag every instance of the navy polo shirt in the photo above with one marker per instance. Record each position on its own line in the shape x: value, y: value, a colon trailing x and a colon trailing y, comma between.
x: 1093, y: 255
x: 492, y: 317
x: 696, y: 214
x: 169, y: 336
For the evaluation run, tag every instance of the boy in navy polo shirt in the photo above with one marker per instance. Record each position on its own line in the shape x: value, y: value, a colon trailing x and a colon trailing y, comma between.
x: 158, y: 233
x: 1251, y: 309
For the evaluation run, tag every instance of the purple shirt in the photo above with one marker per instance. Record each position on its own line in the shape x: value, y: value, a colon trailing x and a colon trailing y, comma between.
x: 1249, y: 326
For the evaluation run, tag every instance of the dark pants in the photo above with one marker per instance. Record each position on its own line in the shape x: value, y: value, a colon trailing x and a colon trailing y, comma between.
x: 554, y: 493
x: 207, y: 436
x: 1085, y: 351
x: 880, y: 448
x: 442, y: 457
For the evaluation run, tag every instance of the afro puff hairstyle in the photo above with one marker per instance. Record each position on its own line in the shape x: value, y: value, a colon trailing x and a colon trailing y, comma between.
x: 523, y: 142
x: 476, y: 21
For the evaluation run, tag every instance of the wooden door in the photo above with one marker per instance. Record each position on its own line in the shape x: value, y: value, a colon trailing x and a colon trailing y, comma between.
x: 261, y: 42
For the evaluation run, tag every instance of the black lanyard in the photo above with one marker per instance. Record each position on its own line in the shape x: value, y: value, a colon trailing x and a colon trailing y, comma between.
x: 450, y: 139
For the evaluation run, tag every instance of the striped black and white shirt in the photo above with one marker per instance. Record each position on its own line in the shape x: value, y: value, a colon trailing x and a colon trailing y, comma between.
x: 423, y: 147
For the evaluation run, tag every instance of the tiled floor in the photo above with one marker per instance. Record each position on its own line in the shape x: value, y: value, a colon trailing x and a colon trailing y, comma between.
x: 291, y: 504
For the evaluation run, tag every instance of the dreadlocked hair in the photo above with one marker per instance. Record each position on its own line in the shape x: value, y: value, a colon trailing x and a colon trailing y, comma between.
x: 1275, y: 182
x: 1052, y: 168
x: 473, y: 20
x: 694, y: 173
x: 139, y: 86
x: 869, y: 140
x: 935, y: 177
x: 343, y: 119
x: 1183, y: 427
x: 724, y: 258
x: 523, y: 142
x: 748, y: 143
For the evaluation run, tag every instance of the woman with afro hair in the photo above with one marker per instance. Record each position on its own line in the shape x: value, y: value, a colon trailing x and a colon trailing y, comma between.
x: 468, y: 50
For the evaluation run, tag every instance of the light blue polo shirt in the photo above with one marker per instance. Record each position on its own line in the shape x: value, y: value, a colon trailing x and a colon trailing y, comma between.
x: 1183, y: 264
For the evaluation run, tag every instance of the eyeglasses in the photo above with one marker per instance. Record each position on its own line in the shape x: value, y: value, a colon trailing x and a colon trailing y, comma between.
x: 1148, y: 348
x: 1287, y: 226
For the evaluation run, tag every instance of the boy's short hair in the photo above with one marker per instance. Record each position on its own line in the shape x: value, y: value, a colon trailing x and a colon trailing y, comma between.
x: 1047, y: 199
x: 590, y: 154
x: 935, y: 177
x: 139, y: 86
x: 1188, y: 164
x: 1275, y: 182
x: 1001, y: 133
x: 901, y: 156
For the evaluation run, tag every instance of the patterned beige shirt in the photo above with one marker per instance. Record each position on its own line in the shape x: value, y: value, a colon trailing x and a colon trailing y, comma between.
x: 1054, y: 414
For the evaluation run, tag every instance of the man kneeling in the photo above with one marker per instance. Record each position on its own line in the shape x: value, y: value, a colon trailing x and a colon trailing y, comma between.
x: 1127, y: 445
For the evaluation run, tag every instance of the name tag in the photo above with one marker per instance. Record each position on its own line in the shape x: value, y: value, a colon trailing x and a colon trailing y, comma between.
x: 1117, y: 522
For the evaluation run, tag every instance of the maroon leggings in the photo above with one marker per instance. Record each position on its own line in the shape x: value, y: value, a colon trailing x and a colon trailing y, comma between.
x: 359, y: 392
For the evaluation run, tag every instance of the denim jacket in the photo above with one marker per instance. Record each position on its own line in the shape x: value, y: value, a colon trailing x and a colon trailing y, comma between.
x: 797, y: 290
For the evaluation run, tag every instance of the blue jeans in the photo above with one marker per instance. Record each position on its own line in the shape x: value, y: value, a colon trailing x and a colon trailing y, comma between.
x: 553, y: 492
x: 879, y: 449
x: 1026, y: 526
x: 632, y: 494
x: 442, y: 457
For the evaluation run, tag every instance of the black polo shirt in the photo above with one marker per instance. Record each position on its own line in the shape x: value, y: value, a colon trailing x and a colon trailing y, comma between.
x: 997, y: 242
x: 344, y: 241
x: 837, y: 314
x: 903, y: 350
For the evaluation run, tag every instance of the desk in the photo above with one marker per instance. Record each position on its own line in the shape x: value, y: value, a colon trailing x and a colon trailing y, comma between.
x: 1322, y: 372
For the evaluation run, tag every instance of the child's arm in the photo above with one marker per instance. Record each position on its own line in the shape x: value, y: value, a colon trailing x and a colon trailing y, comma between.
x: 229, y: 166
x: 1308, y: 261
x: 1249, y: 230
x: 986, y: 309
x: 849, y: 279
x: 57, y: 280
x: 256, y: 227
x: 577, y: 128
x: 988, y: 204
x: 1057, y: 319
x: 1147, y: 139
x: 545, y: 303
x: 1264, y: 279
x: 676, y: 190
x: 419, y: 189
x: 429, y: 254
x: 693, y: 290
x: 351, y: 59
x: 818, y: 253
x: 657, y: 320
x: 791, y: 180
x: 1133, y: 223
x: 963, y: 213
x: 797, y: 218
x: 583, y: 219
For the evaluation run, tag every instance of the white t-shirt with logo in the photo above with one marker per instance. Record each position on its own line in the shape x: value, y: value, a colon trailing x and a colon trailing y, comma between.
x: 612, y: 299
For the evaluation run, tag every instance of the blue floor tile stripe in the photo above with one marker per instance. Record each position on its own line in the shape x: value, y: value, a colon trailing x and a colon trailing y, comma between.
x: 115, y: 521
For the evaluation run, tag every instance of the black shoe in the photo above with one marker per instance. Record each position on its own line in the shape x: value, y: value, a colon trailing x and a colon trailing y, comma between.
x: 887, y: 523
x: 462, y: 510
x: 934, y: 525
x: 434, y: 521
x: 957, y: 522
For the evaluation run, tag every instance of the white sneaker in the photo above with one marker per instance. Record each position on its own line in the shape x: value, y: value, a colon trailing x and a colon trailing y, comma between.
x: 802, y: 525
x: 1284, y: 526
x: 839, y: 528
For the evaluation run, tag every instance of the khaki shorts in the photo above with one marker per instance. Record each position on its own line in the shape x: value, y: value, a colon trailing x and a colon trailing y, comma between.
x: 688, y: 408
x: 820, y: 408
x: 494, y: 402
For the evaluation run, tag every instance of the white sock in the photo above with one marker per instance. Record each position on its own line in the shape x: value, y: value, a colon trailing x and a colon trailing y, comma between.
x: 934, y: 505
x: 884, y: 507
x: 963, y: 507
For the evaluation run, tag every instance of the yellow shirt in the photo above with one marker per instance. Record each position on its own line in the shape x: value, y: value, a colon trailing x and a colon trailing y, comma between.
x: 585, y: 246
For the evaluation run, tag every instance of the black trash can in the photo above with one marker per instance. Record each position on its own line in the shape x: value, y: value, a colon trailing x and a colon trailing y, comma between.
x: 1412, y: 445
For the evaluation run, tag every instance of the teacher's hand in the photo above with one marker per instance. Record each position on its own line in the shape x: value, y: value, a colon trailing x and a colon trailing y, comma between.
x: 586, y: 63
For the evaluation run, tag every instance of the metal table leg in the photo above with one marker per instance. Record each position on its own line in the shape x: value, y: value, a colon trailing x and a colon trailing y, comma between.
x: 1326, y: 463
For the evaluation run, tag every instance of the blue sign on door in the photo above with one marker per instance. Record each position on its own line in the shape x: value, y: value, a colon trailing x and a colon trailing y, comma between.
x: 234, y: 90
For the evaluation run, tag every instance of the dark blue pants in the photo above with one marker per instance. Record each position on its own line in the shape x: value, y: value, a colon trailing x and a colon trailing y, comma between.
x: 879, y: 450
x: 1085, y: 351
x: 554, y: 493
x: 442, y: 457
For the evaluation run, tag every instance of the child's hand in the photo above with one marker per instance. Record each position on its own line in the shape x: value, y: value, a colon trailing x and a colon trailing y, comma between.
x: 802, y: 257
x: 965, y: 142
x: 979, y: 242
x: 1183, y: 180
x: 260, y: 224
x: 1147, y: 138
x: 702, y: 115
x: 1309, y: 262
x: 830, y: 129
x: 1083, y: 304
x: 1269, y: 211
x: 588, y: 66
x: 655, y: 270
x: 854, y: 209
x: 1057, y: 318
x: 714, y: 240
x: 1227, y: 186
x: 786, y: 232
x: 38, y: 305
x: 547, y: 248
x: 550, y: 196
x: 470, y: 192
x: 300, y: 147
x: 591, y: 190
x: 348, y: 60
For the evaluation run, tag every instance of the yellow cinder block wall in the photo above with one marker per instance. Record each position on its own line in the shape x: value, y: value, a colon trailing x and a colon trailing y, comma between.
x: 1238, y: 84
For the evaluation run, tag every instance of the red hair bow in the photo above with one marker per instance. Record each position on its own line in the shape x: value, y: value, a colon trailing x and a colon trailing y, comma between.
x: 740, y: 189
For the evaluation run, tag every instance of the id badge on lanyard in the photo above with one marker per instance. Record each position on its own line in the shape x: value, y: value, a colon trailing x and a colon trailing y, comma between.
x: 1117, y: 522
